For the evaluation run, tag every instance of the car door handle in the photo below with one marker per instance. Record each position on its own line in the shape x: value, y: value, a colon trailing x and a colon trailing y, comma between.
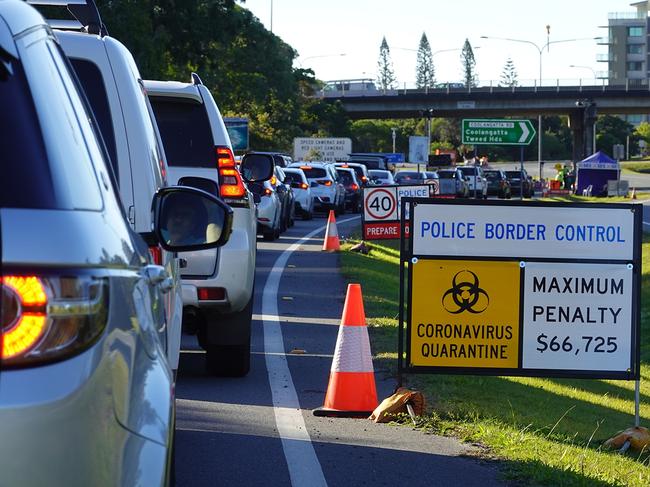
x: 156, y: 275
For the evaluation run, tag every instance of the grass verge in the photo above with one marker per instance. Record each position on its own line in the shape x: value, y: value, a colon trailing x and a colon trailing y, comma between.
x: 546, y: 431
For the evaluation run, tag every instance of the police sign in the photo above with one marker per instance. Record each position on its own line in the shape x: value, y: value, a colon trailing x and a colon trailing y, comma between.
x: 381, y: 208
x: 514, y: 288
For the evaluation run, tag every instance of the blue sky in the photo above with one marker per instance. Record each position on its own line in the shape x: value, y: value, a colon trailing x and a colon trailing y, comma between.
x: 355, y: 28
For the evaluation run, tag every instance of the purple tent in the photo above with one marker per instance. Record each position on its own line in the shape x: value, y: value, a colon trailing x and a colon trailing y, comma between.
x: 595, y: 171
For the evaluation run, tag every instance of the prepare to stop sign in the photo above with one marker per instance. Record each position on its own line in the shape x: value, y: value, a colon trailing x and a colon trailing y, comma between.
x: 381, y: 209
x: 381, y: 204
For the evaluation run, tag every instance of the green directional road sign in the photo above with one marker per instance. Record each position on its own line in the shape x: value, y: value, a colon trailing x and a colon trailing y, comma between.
x: 477, y: 131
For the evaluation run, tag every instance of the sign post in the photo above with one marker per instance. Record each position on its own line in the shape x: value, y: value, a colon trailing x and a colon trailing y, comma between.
x: 520, y: 289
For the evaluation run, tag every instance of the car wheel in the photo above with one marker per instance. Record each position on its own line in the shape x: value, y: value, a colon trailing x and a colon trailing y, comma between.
x: 269, y: 235
x: 232, y: 360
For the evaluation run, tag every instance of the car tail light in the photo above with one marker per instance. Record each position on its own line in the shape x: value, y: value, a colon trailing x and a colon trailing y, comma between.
x: 324, y: 182
x: 304, y: 186
x: 156, y: 254
x: 268, y: 192
x: 211, y: 294
x: 354, y: 187
x: 45, y: 319
x: 364, y: 179
x: 273, y: 180
x: 231, y: 185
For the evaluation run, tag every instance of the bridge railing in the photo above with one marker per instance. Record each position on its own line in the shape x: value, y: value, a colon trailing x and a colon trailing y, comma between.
x: 547, y: 85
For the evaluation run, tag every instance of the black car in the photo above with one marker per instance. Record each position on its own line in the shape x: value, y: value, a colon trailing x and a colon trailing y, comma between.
x: 520, y: 183
x: 498, y: 184
x: 349, y: 180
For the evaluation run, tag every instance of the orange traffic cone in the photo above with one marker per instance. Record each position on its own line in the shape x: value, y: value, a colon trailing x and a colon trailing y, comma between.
x: 331, y: 234
x: 351, y: 391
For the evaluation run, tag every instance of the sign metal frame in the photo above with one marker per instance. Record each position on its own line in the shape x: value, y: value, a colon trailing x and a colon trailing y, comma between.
x: 408, y: 259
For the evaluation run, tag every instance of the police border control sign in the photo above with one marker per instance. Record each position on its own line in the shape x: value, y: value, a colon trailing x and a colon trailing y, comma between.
x: 520, y: 288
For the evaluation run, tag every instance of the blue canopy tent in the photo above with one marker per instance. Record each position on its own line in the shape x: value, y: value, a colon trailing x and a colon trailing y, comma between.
x: 595, y: 171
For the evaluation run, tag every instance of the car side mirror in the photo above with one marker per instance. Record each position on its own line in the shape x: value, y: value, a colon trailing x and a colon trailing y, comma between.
x: 188, y: 219
x: 257, y: 167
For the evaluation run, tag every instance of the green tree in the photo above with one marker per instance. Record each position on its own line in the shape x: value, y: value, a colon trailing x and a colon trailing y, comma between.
x: 385, y: 73
x: 643, y: 131
x: 424, y: 70
x: 468, y: 65
x: 509, y: 74
x: 611, y: 130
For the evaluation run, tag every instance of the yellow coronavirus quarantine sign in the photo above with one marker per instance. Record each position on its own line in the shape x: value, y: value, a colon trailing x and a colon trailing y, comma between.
x: 465, y: 314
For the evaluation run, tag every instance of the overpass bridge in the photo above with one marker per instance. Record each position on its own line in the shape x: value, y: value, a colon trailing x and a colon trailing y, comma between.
x: 580, y: 103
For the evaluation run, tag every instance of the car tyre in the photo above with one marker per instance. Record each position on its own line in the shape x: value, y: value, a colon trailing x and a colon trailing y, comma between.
x: 231, y: 360
x: 228, y: 360
x: 269, y: 235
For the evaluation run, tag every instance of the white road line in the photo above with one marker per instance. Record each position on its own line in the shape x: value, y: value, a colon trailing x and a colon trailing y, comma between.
x: 304, y: 467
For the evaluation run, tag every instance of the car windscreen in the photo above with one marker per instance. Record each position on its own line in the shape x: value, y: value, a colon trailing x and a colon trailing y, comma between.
x: 379, y: 173
x: 54, y: 172
x: 372, y: 164
x: 346, y: 178
x: 446, y: 175
x: 408, y: 175
x: 513, y: 174
x: 292, y: 177
x: 315, y: 172
x: 492, y: 175
x: 93, y: 84
x: 468, y: 171
x: 185, y: 130
x: 26, y: 180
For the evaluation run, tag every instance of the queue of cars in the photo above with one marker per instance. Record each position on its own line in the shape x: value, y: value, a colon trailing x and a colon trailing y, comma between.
x: 100, y: 232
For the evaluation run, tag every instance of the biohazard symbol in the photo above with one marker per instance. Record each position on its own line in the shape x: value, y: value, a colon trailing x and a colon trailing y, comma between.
x: 465, y: 294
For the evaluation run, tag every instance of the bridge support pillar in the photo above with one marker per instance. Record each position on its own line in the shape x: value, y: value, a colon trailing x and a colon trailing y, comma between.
x: 583, y: 123
x: 576, y: 123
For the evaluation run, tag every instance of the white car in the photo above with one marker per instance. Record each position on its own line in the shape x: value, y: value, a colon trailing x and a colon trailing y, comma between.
x: 269, y: 210
x: 326, y: 190
x: 381, y: 177
x: 475, y: 180
x: 298, y: 180
x: 217, y: 284
x: 111, y: 80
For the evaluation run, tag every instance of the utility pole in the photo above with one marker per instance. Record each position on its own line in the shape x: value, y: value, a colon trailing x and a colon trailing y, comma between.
x: 394, y: 131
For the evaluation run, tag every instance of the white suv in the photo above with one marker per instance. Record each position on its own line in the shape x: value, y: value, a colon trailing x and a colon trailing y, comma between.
x: 217, y: 284
x: 113, y: 86
x: 326, y: 190
x: 476, y: 181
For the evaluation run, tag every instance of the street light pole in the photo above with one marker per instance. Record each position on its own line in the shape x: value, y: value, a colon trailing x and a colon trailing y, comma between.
x: 394, y: 130
x: 540, y: 50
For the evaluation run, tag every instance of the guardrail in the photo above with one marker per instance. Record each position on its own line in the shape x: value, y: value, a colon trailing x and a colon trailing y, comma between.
x: 558, y: 85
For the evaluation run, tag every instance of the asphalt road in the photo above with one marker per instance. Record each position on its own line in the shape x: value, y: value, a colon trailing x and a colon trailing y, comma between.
x: 260, y: 430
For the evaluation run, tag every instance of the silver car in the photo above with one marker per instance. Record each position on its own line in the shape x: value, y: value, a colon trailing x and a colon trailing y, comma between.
x: 86, y: 391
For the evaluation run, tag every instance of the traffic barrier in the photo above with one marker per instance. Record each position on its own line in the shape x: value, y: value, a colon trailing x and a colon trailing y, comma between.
x: 331, y: 241
x: 351, y: 390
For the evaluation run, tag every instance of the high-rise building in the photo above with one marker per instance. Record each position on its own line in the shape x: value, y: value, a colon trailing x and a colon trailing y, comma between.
x: 628, y: 56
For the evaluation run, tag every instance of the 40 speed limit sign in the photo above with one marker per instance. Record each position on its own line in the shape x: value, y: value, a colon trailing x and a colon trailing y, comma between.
x: 381, y: 208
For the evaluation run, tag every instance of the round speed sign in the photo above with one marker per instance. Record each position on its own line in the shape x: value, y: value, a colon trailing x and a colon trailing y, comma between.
x: 381, y: 204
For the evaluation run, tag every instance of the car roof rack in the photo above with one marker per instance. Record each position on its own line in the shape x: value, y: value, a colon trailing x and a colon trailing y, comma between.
x: 85, y: 13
